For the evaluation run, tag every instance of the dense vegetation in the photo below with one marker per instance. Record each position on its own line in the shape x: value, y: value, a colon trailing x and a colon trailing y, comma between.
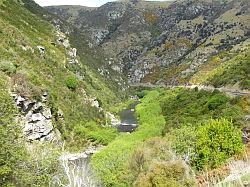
x: 25, y: 71
x: 182, y: 132
x: 110, y: 163
x: 235, y: 71
x: 190, y: 117
x: 208, y: 145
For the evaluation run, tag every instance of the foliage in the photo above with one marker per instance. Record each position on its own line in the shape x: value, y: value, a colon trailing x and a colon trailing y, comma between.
x: 155, y: 164
x: 7, y: 67
x: 12, y: 156
x: 71, y: 82
x: 92, y: 131
x: 217, y: 141
x: 232, y: 72
x: 183, y: 141
x: 216, y: 101
x: 17, y: 166
x: 7, y: 109
x: 22, y: 32
x: 110, y: 163
x: 194, y: 107
x: 208, y: 145
x: 190, y: 112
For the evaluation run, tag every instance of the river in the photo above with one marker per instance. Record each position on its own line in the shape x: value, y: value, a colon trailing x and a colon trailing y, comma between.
x: 76, y: 166
x: 128, y: 119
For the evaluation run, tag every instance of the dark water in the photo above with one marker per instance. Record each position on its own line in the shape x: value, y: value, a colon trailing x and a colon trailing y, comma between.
x: 128, y: 119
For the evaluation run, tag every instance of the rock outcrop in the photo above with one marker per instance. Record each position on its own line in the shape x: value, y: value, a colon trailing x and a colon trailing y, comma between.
x: 36, y: 119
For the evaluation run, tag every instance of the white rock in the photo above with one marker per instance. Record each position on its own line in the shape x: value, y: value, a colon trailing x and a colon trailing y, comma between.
x: 47, y: 113
x: 38, y: 106
x: 41, y: 49
x: 36, y: 117
x: 19, y: 100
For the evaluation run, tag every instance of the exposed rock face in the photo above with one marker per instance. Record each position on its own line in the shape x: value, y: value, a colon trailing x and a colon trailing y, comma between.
x: 145, y: 39
x: 36, y: 119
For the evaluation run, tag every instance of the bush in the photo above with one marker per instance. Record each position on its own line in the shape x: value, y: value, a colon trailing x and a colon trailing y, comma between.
x: 170, y: 174
x: 17, y: 166
x: 155, y: 164
x: 71, y: 82
x: 217, y: 141
x: 208, y: 145
x: 91, y: 130
x: 233, y: 71
x: 190, y: 107
x: 7, y: 67
x: 216, y: 101
x: 183, y: 141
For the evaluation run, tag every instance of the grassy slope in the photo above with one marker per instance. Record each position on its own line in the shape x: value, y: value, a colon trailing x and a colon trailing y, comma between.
x: 234, y: 72
x: 19, y: 29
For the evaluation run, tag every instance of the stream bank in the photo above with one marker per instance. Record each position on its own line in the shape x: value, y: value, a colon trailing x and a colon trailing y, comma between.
x: 77, y: 165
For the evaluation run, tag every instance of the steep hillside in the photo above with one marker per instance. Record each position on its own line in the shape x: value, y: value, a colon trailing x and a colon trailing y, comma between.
x: 66, y: 114
x: 42, y: 70
x: 49, y: 94
x: 164, y: 42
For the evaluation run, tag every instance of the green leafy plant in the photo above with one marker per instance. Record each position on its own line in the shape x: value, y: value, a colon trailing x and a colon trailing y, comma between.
x: 91, y: 130
x: 217, y: 141
x: 7, y: 67
x: 71, y: 82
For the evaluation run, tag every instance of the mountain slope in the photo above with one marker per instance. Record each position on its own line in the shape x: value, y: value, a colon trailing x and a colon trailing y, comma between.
x: 164, y: 42
x: 36, y: 59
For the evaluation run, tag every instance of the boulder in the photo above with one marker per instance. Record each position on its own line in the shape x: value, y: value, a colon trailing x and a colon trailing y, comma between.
x: 47, y: 113
x: 36, y: 117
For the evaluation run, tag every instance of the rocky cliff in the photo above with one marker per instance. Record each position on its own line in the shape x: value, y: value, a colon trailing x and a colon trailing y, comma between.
x: 163, y: 42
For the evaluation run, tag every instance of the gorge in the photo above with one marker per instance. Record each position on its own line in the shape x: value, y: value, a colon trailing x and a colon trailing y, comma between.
x: 131, y: 93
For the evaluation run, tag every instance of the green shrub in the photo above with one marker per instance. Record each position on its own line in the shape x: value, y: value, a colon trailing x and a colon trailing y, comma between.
x: 216, y: 101
x: 217, y: 141
x: 233, y: 71
x: 142, y: 93
x: 7, y: 67
x: 91, y: 130
x: 17, y: 166
x: 209, y: 145
x: 71, y: 82
x: 191, y: 107
x: 183, y: 140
